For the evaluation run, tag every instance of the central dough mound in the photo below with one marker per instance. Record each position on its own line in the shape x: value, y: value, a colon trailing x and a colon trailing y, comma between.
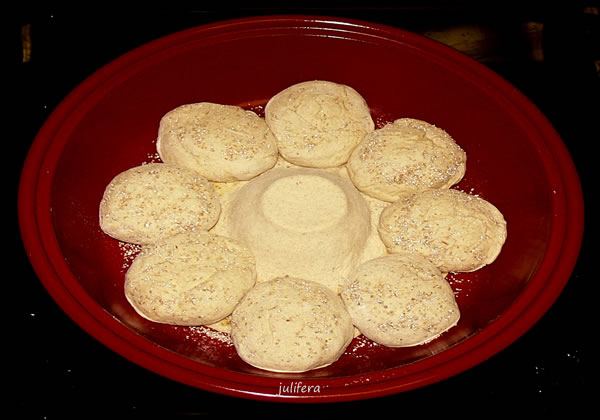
x: 301, y: 222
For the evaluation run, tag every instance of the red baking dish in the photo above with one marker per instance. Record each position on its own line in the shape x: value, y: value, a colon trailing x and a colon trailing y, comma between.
x: 516, y: 160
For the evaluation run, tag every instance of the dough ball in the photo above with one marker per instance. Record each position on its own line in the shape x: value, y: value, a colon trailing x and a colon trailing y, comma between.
x: 400, y: 300
x: 224, y: 143
x: 318, y: 123
x: 151, y: 201
x: 189, y: 278
x: 291, y: 325
x: 456, y: 231
x: 406, y: 156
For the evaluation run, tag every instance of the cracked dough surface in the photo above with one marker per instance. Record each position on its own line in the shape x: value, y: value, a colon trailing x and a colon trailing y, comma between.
x: 318, y: 123
x: 406, y: 155
x: 291, y: 325
x: 400, y: 300
x: 190, y: 278
x: 458, y: 232
x: 146, y: 203
x: 224, y: 143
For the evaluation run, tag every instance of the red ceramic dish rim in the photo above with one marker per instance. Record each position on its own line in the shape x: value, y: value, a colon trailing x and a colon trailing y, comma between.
x: 44, y: 252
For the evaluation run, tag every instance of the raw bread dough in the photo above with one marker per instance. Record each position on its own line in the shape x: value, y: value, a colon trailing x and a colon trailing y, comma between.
x: 301, y: 222
x: 146, y: 203
x: 224, y: 143
x: 291, y: 325
x: 318, y: 123
x: 407, y: 155
x: 400, y: 300
x: 190, y: 278
x: 457, y: 231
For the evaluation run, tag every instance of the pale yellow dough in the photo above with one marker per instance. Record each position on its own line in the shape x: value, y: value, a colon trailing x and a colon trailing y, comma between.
x: 404, y: 156
x: 291, y: 325
x: 318, y: 123
x: 190, y: 279
x: 296, y: 232
x: 224, y: 143
x: 456, y: 231
x: 146, y: 203
x: 400, y: 300
x: 301, y: 222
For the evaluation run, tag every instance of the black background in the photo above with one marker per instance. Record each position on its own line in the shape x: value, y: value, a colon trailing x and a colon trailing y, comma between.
x: 56, y: 370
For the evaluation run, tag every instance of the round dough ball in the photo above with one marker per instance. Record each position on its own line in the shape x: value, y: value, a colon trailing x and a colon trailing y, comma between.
x: 291, y: 325
x: 318, y: 123
x: 189, y: 278
x: 400, y: 300
x: 456, y: 231
x: 301, y: 222
x: 224, y: 143
x: 147, y: 202
x: 406, y: 156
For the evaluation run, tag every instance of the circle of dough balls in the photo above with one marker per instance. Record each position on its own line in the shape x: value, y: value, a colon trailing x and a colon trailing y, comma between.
x: 400, y: 300
x: 296, y: 222
x: 318, y: 123
x: 224, y: 143
x: 405, y: 156
x: 456, y: 231
x: 150, y: 201
x: 189, y: 278
x: 291, y: 325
